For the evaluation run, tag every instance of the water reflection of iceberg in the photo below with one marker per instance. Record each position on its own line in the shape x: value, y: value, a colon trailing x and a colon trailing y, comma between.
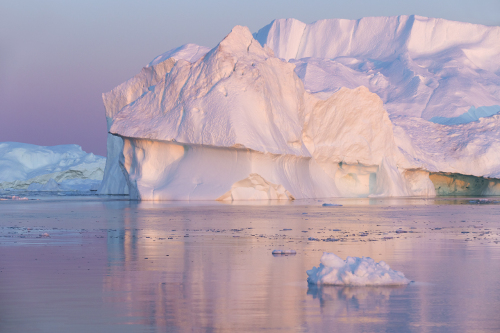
x: 360, y: 298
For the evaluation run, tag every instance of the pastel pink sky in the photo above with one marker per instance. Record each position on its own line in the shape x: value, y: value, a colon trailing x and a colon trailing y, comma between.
x: 58, y: 56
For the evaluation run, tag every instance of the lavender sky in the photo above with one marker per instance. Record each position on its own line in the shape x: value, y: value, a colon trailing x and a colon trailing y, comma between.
x: 58, y: 56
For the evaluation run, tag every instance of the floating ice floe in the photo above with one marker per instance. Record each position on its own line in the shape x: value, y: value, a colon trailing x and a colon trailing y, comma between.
x: 354, y: 271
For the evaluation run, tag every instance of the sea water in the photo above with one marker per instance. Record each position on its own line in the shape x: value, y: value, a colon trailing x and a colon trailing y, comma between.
x: 107, y: 264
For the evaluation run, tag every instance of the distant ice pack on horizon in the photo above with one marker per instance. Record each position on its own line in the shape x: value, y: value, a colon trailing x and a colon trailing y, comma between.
x: 350, y: 108
x: 49, y: 168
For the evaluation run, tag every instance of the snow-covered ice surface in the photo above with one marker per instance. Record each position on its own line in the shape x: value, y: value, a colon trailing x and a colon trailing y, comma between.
x: 56, y: 168
x: 354, y: 271
x: 73, y: 264
x: 335, y: 108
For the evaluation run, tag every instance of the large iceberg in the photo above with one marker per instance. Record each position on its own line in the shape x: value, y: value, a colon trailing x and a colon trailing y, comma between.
x: 55, y: 168
x: 333, y: 108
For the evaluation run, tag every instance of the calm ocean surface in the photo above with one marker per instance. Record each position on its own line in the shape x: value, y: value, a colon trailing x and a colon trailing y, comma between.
x: 100, y: 264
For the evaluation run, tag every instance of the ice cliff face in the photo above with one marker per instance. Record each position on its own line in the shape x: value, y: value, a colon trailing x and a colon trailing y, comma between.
x: 65, y: 167
x: 287, y: 113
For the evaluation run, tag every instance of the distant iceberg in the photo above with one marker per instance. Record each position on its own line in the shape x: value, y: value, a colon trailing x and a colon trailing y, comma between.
x: 336, y: 108
x: 57, y: 168
x: 11, y: 197
x: 354, y: 271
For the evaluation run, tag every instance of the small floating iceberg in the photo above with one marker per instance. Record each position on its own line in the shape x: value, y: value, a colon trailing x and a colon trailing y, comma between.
x: 331, y: 205
x: 354, y: 271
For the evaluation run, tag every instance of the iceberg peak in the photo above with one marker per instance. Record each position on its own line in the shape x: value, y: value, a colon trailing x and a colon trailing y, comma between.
x: 239, y: 37
x: 240, y: 41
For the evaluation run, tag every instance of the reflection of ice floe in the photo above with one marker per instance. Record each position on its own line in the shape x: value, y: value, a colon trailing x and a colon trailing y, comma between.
x: 284, y: 252
x: 331, y: 205
x: 353, y: 297
x: 332, y: 293
x: 354, y: 271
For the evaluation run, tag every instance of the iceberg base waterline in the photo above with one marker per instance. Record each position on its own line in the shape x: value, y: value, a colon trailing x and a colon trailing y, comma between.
x: 164, y: 170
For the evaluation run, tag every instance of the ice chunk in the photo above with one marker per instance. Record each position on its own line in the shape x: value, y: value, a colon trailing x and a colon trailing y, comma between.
x: 354, y: 271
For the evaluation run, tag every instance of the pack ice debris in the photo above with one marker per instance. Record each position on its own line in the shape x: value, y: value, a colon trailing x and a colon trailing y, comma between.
x: 354, y: 271
x: 380, y: 106
x: 56, y: 168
